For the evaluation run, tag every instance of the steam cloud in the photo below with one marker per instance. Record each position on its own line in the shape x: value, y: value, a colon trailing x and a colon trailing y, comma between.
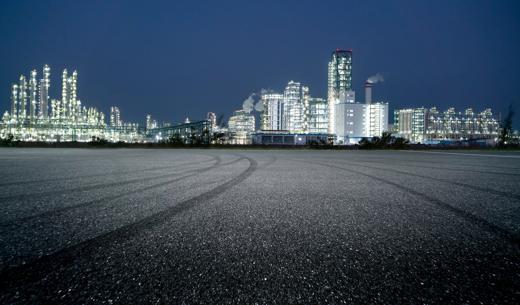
x: 265, y: 91
x: 377, y: 78
x: 249, y: 104
x: 253, y: 102
x: 259, y: 106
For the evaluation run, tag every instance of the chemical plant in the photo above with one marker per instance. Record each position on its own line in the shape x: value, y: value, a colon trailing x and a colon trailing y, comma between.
x: 291, y: 117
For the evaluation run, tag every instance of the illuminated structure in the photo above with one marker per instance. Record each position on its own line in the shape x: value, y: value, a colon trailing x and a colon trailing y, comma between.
x: 294, y: 107
x: 317, y: 115
x: 288, y: 111
x: 150, y: 123
x: 411, y: 123
x: 67, y: 120
x: 212, y: 118
x: 377, y: 119
x: 22, y: 96
x: 241, y: 126
x: 350, y: 119
x: 115, y: 117
x: 339, y: 81
x: 273, y: 115
x: 33, y: 94
x: 45, y: 84
x: 420, y: 125
x: 281, y: 138
x: 354, y: 121
x: 195, y: 132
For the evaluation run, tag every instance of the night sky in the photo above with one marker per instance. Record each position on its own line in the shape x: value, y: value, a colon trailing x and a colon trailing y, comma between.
x: 174, y: 59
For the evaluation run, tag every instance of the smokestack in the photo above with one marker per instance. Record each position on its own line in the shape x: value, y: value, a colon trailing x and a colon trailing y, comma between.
x: 368, y: 93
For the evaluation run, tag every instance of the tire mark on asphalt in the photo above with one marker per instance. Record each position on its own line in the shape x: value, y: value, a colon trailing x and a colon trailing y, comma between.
x: 269, y: 162
x: 14, y: 226
x: 465, y: 154
x: 488, y: 226
x: 436, y: 168
x: 68, y: 160
x: 102, y: 174
x: 56, y: 212
x: 476, y: 188
x: 37, y: 269
x: 441, y: 161
x: 89, y: 187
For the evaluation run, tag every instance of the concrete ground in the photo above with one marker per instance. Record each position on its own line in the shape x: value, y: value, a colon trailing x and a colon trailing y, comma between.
x: 132, y: 226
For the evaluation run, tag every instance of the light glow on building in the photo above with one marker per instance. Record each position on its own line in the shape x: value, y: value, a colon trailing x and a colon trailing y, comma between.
x: 68, y: 119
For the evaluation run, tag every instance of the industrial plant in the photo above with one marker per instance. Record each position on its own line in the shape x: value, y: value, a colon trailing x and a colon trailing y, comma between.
x: 35, y: 116
x: 289, y: 117
x: 423, y: 125
x: 339, y: 119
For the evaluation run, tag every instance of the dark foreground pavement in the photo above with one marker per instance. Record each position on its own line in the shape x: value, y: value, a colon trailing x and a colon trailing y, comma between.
x: 102, y: 226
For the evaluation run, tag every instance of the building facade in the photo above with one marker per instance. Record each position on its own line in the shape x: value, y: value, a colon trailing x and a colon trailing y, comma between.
x: 350, y: 122
x: 355, y: 121
x: 196, y: 132
x: 317, y: 115
x: 339, y: 81
x: 285, y: 138
x: 272, y: 117
x: 294, y: 110
x: 241, y: 126
x: 377, y: 119
x: 420, y: 125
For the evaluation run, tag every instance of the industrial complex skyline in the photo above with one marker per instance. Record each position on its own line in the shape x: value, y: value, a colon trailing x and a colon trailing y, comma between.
x: 293, y: 117
x: 171, y: 56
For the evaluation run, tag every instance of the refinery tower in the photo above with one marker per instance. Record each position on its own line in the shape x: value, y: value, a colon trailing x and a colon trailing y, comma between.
x: 339, y: 81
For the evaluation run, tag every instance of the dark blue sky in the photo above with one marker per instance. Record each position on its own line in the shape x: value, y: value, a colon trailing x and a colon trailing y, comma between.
x: 174, y: 59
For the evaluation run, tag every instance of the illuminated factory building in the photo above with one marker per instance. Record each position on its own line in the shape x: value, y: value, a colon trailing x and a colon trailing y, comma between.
x: 273, y: 114
x: 423, y: 125
x: 294, y: 111
x: 339, y: 81
x: 241, y: 126
x: 36, y: 117
x: 340, y: 116
x: 317, y: 115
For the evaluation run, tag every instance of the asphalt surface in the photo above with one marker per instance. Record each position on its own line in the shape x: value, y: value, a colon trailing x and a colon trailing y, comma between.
x: 130, y: 226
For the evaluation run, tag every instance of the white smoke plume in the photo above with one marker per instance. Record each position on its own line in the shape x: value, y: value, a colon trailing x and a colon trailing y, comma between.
x: 249, y: 104
x: 259, y: 106
x: 377, y: 78
x: 265, y: 91
x: 254, y: 103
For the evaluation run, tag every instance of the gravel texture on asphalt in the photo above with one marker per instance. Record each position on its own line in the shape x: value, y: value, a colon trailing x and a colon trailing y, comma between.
x: 201, y: 226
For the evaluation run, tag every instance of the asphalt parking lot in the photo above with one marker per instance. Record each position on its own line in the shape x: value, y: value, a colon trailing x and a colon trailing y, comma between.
x: 138, y: 226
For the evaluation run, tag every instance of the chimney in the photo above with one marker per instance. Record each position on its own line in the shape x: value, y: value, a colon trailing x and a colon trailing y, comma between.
x: 368, y: 93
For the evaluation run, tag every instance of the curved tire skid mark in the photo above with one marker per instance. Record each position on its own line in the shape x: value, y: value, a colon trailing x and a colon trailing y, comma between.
x: 193, y: 172
x: 54, y: 212
x: 459, y: 164
x: 488, y: 226
x: 105, y: 174
x: 475, y: 188
x: 65, y: 161
x: 16, y: 224
x: 437, y: 168
x: 94, y: 186
x: 270, y: 162
x: 37, y: 269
